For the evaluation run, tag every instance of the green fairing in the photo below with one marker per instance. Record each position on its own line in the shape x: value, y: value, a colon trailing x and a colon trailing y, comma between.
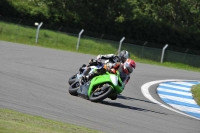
x: 105, y: 78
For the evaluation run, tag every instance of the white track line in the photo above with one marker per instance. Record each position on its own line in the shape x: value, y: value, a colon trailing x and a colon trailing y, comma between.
x: 145, y: 90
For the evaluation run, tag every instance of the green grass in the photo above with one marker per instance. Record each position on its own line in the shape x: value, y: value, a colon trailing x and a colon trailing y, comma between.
x: 15, y: 122
x: 196, y: 93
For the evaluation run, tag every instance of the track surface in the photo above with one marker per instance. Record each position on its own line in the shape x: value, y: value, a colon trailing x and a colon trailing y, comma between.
x: 33, y: 80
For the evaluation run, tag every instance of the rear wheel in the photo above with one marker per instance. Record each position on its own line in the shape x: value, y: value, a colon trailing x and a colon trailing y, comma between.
x: 72, y: 79
x: 100, y: 93
x: 73, y: 88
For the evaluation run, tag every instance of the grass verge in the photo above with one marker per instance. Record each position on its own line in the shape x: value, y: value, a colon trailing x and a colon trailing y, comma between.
x: 15, y: 122
x: 196, y: 93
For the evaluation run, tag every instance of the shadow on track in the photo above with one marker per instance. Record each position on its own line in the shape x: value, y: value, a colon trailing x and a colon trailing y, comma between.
x: 130, y: 98
x: 120, y: 105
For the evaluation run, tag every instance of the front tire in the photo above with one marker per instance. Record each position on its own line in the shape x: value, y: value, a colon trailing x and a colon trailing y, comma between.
x: 101, y: 93
x: 73, y: 88
x: 72, y: 79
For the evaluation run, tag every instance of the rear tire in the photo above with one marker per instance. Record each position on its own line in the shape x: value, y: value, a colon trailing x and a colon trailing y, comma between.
x: 72, y: 79
x: 73, y: 88
x: 101, y: 94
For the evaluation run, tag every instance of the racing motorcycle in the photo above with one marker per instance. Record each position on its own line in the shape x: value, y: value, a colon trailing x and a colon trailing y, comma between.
x: 98, y: 88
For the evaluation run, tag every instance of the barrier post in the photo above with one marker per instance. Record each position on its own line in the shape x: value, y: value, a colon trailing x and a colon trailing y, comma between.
x: 79, y: 37
x: 38, y: 29
x: 163, y: 51
x: 120, y: 44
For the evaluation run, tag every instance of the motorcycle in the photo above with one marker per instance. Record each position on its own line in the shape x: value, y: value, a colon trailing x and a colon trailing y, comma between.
x: 99, y: 88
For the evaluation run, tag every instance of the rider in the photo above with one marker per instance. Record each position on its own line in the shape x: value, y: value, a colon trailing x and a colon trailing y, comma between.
x: 123, y: 55
x: 112, y: 58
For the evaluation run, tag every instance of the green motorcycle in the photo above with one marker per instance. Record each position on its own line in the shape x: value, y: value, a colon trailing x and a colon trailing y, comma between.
x: 100, y: 87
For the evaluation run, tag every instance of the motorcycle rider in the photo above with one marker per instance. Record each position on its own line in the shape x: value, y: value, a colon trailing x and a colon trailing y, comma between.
x: 111, y: 58
x: 123, y: 55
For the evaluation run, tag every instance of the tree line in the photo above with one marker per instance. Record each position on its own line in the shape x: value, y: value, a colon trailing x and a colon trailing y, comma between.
x: 175, y: 22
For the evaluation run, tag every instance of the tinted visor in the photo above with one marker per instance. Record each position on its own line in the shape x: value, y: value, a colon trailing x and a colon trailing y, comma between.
x: 123, y: 59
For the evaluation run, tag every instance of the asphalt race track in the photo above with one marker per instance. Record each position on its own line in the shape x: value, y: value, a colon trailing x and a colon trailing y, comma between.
x: 33, y: 80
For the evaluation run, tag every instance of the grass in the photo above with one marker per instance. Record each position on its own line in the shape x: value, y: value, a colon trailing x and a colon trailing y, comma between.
x: 15, y: 122
x: 196, y: 93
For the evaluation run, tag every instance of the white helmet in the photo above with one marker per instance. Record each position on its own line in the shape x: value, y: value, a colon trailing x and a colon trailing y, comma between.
x: 124, y: 55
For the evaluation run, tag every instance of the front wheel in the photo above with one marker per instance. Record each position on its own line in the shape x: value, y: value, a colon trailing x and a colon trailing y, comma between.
x: 100, y: 93
x: 73, y: 88
x: 72, y: 79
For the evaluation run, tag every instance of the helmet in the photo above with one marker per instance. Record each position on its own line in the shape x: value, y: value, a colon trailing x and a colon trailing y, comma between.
x: 129, y: 64
x: 123, y: 55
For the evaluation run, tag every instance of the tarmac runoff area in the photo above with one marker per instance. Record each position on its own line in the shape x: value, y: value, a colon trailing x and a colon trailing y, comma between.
x: 175, y: 93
